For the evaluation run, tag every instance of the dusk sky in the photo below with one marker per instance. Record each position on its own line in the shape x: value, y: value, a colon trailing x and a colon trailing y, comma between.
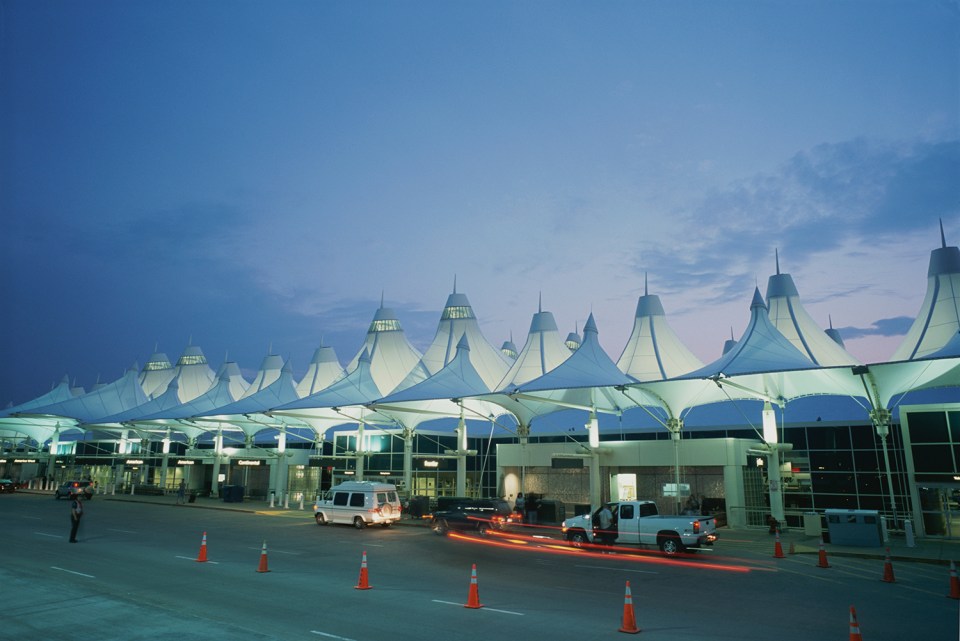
x: 252, y: 175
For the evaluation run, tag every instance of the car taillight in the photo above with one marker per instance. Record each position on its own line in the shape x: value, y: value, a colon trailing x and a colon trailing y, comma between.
x: 696, y: 527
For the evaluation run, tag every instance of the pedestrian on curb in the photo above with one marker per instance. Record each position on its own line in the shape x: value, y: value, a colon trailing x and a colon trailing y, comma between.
x: 181, y: 492
x: 76, y: 511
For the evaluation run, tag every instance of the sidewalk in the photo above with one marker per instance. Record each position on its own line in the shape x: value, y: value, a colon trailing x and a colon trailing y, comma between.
x: 929, y: 550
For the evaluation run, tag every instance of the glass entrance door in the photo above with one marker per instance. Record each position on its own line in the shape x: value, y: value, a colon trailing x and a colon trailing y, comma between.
x: 940, y: 510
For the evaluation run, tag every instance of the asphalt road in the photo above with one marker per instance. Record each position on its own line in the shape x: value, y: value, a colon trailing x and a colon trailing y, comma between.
x: 134, y: 576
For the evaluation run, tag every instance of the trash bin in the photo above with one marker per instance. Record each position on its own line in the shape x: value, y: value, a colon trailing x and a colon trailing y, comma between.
x: 855, y: 527
x: 232, y: 493
x: 811, y: 524
x: 551, y: 511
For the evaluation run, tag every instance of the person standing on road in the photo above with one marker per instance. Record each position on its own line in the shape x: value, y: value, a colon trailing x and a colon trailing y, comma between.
x: 606, y: 533
x: 76, y: 511
x: 520, y: 506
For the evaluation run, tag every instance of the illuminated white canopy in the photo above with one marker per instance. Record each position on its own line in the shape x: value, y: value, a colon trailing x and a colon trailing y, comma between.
x: 791, y: 319
x: 654, y: 352
x: 939, y: 317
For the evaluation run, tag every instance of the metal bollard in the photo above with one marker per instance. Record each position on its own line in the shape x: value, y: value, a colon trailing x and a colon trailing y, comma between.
x: 908, y: 530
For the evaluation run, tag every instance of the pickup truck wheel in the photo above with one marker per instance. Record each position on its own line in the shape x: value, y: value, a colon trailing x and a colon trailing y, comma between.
x: 577, y: 539
x: 670, y: 545
x: 441, y: 527
x: 359, y: 523
x: 320, y: 518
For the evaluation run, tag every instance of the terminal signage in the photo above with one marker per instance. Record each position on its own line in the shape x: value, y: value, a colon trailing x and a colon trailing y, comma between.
x: 251, y: 463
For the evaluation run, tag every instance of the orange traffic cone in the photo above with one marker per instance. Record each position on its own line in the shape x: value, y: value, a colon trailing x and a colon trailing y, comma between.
x: 822, y: 563
x: 777, y: 548
x: 363, y: 584
x: 473, y: 599
x: 954, y: 582
x: 629, y: 620
x: 854, y: 626
x: 888, y: 569
x: 263, y: 559
x: 202, y: 557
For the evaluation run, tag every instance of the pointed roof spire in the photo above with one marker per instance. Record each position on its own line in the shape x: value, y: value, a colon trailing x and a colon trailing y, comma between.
x: 454, y: 283
x: 943, y: 238
x: 776, y: 253
x: 757, y: 299
x: 646, y: 290
x: 540, y: 302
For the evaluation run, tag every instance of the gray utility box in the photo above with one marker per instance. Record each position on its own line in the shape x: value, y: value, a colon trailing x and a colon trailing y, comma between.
x: 854, y: 527
x: 811, y: 524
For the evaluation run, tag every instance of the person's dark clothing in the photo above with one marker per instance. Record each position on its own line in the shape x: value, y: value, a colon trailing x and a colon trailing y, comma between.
x: 76, y: 512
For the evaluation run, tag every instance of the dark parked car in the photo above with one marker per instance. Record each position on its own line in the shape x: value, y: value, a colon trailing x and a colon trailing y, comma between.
x: 69, y: 488
x: 472, y: 515
x: 6, y: 485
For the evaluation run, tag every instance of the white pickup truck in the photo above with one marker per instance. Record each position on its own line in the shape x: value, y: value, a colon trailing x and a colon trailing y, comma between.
x: 639, y: 523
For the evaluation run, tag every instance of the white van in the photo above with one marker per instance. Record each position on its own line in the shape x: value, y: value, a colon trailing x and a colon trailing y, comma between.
x: 360, y: 503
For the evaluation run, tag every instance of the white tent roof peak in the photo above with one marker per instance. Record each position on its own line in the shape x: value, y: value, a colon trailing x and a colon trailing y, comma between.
x: 270, y: 369
x: 939, y: 316
x: 654, y: 351
x: 157, y: 372
x: 456, y: 321
x: 391, y: 354
x: 543, y: 351
x: 761, y: 349
x: 793, y: 321
x: 509, y: 349
x: 324, y: 369
x: 834, y: 334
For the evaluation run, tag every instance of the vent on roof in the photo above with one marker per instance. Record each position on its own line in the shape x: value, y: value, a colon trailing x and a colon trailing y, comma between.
x: 192, y: 359
x: 455, y: 312
x: 385, y: 325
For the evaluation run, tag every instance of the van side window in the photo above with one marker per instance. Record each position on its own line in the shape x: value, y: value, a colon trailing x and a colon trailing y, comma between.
x: 356, y: 499
x: 647, y: 509
x: 381, y: 497
x: 626, y: 512
x: 392, y: 497
x: 340, y: 498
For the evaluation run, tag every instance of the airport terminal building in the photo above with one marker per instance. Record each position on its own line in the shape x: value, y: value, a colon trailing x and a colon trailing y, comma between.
x: 783, y: 425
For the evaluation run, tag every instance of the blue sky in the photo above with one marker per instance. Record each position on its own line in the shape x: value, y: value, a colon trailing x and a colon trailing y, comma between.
x: 253, y: 174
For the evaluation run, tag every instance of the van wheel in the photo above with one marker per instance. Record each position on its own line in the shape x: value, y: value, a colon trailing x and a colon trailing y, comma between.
x: 321, y: 520
x: 359, y: 523
x: 670, y: 545
x: 441, y: 527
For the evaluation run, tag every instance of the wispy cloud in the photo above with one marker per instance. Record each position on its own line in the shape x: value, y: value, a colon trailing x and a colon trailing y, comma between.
x: 884, y: 327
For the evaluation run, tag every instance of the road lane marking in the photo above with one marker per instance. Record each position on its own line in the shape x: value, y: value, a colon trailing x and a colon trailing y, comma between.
x: 603, y: 567
x: 519, y: 614
x: 277, y: 551
x: 34, y: 518
x: 330, y: 636
x: 121, y: 531
x: 89, y: 576
x: 55, y: 536
x: 190, y: 558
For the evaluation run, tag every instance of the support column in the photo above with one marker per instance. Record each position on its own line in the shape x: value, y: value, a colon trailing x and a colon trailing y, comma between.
x: 593, y: 439
x: 166, y: 459
x: 881, y: 421
x: 217, y: 453
x: 408, y: 460
x: 523, y: 431
x: 675, y: 426
x: 461, y: 456
x: 361, y: 453
x: 773, y: 463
